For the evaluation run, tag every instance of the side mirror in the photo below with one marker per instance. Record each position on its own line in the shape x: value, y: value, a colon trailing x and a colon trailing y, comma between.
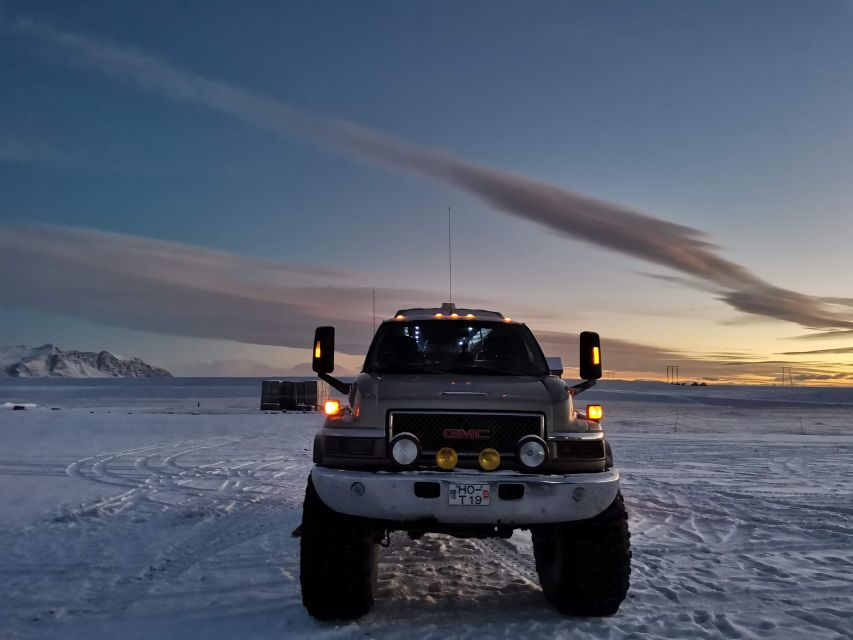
x: 590, y: 355
x: 324, y: 350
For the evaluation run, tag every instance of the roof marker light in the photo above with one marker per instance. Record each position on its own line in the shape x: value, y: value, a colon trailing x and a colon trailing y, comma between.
x: 507, y: 319
x: 400, y: 317
x: 470, y: 316
x: 454, y: 315
x: 438, y: 315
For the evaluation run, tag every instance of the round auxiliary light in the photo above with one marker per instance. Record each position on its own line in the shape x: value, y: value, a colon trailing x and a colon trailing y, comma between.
x: 446, y: 458
x: 405, y: 449
x: 489, y: 459
x: 532, y: 452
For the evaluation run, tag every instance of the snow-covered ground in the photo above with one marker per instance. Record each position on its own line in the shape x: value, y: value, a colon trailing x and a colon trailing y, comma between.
x: 163, y: 509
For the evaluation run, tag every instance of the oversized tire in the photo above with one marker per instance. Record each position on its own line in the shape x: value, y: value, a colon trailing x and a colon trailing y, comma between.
x: 584, y: 566
x: 608, y: 456
x: 337, y: 561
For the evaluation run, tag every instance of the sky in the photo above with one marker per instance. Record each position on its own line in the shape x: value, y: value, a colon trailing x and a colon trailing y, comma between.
x: 201, y: 184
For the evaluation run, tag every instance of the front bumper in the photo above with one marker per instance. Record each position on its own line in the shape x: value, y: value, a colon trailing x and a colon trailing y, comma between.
x: 391, y: 496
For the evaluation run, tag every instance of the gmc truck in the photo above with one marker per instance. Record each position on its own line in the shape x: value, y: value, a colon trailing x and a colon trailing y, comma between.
x: 457, y: 425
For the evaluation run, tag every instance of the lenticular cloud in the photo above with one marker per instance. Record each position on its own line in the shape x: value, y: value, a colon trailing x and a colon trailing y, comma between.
x: 683, y: 249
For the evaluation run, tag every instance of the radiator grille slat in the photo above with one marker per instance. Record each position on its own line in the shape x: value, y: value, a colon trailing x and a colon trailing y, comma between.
x: 500, y: 431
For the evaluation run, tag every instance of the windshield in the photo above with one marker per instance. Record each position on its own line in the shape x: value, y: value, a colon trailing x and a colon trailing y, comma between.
x: 455, y: 346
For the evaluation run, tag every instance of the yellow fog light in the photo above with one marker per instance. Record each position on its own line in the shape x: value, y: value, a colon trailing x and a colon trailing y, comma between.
x: 446, y: 458
x: 489, y: 459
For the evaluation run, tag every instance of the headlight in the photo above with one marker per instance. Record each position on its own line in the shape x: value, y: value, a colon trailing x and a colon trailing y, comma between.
x: 532, y: 452
x: 405, y: 449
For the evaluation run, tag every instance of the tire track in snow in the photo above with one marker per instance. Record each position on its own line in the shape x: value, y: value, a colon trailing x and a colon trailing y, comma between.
x: 152, y: 473
x: 213, y: 534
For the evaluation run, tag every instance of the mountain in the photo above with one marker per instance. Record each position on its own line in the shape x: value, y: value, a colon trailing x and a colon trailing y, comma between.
x: 49, y: 361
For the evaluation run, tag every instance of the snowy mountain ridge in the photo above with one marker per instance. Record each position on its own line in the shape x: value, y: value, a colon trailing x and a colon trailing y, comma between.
x: 49, y: 361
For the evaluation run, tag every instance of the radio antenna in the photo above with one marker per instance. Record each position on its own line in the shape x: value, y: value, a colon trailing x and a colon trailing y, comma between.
x: 374, y: 310
x: 449, y: 259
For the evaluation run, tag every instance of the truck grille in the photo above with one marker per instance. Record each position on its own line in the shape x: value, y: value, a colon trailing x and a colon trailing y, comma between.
x: 467, y: 433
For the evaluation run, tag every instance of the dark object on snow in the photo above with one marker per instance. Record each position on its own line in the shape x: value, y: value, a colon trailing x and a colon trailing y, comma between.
x: 18, y: 407
x: 293, y: 395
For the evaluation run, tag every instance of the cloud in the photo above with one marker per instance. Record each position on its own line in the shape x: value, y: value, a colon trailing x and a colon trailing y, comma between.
x: 620, y: 356
x: 246, y: 367
x: 616, y: 227
x: 844, y: 333
x: 180, y: 289
x: 818, y: 351
x: 231, y: 367
x: 18, y: 150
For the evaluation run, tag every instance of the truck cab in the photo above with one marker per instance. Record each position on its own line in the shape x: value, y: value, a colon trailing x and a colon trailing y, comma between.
x: 458, y: 424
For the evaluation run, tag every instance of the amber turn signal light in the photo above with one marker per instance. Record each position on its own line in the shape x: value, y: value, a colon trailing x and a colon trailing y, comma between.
x: 332, y: 407
x: 594, y: 412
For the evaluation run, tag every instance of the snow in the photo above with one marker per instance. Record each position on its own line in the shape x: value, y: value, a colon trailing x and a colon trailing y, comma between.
x: 50, y: 361
x: 13, y: 405
x: 164, y: 508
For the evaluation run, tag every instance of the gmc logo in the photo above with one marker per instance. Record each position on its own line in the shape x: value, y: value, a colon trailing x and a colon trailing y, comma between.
x: 462, y: 434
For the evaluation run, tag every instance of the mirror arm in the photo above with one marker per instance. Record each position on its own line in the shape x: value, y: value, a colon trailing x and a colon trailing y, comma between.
x: 338, y: 385
x: 581, y: 387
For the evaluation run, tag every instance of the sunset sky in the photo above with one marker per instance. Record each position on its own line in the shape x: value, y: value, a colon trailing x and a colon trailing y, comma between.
x: 201, y: 183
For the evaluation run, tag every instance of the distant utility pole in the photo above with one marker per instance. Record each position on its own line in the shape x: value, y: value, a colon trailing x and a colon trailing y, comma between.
x: 787, y: 371
x: 672, y: 374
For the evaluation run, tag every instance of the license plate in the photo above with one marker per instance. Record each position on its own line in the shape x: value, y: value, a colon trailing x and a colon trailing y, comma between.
x: 476, y: 495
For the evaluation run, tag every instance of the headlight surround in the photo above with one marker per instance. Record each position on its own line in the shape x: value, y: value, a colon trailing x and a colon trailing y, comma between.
x: 405, y: 449
x: 532, y: 452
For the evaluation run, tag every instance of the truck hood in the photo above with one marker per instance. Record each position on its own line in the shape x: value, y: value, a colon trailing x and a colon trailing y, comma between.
x: 460, y: 392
